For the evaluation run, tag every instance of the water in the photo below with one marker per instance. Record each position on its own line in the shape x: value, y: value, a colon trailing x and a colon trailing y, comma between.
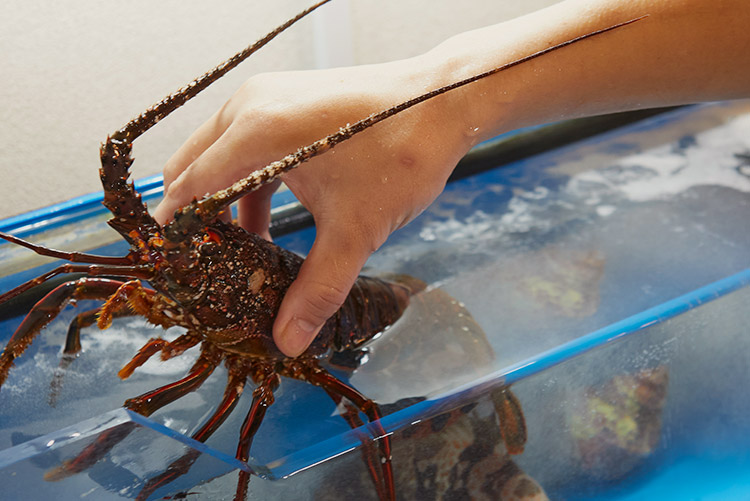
x: 520, y: 262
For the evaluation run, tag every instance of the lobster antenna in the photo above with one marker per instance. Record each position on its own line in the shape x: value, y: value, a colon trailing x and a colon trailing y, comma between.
x: 158, y: 111
x: 200, y: 212
x: 131, y: 218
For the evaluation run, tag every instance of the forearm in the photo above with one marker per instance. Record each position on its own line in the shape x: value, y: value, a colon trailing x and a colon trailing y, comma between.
x: 684, y: 51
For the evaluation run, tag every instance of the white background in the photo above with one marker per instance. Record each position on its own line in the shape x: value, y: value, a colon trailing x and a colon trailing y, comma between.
x: 75, y: 71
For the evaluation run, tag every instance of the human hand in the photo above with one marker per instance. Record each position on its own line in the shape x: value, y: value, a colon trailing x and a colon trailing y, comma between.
x: 377, y: 181
x: 358, y: 193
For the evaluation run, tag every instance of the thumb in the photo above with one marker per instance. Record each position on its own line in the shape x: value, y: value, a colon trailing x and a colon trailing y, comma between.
x: 322, y: 285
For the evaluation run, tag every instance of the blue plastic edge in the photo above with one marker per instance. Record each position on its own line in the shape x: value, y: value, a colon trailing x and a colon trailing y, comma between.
x: 84, y: 206
x: 73, y: 210
x: 150, y: 188
x: 89, y: 427
x: 200, y: 446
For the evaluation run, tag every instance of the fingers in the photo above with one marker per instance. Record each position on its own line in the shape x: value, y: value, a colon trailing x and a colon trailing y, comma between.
x: 319, y: 291
x: 225, y: 161
x: 197, y: 143
x: 206, y: 135
x: 254, y: 211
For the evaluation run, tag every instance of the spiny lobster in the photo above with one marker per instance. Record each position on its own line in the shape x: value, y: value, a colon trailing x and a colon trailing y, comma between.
x: 224, y: 286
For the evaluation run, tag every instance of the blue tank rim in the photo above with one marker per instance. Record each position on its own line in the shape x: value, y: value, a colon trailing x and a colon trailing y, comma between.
x: 493, y: 153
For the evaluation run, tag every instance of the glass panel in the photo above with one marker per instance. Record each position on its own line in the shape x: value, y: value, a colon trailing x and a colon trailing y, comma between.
x: 110, y: 446
x: 659, y: 414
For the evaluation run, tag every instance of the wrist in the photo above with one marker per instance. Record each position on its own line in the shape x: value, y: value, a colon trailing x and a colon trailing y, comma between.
x: 487, y: 107
x: 437, y: 129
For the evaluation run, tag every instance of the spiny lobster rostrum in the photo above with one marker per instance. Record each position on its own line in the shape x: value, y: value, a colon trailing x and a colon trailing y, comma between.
x: 220, y: 283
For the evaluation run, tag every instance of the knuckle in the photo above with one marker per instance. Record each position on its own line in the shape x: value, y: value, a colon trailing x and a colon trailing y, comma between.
x: 324, y: 301
x: 176, y: 187
x: 267, y: 116
x: 171, y: 172
x: 367, y: 234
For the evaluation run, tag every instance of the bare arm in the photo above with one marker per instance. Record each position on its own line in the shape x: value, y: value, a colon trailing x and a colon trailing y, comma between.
x: 364, y: 189
x: 685, y: 51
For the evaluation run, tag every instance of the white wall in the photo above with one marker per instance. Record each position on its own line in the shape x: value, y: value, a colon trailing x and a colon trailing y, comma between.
x: 75, y: 71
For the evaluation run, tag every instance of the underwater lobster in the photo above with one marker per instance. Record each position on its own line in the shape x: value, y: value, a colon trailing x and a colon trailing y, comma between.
x: 221, y: 284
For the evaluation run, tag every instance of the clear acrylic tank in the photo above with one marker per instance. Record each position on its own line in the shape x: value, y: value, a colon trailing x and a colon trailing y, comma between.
x: 606, y: 281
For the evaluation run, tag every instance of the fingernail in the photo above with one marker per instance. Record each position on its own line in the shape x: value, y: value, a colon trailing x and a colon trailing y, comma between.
x: 297, y: 336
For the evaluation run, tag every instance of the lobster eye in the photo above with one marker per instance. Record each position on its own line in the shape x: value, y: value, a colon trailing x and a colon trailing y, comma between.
x: 209, y: 248
x: 211, y: 244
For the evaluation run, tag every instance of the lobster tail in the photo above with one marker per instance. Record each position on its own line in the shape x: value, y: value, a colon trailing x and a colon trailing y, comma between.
x: 371, y: 306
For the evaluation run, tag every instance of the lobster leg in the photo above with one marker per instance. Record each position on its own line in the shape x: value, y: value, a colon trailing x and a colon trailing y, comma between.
x: 144, y: 272
x: 76, y: 257
x: 73, y: 346
x: 47, y: 309
x: 235, y: 386
x: 92, y: 453
x: 268, y: 380
x: 145, y: 404
x: 129, y: 299
x: 81, y: 321
x: 154, y: 345
x: 369, y: 455
x: 151, y: 401
x: 181, y: 466
x: 512, y: 422
x: 312, y: 372
x: 87, y: 319
x: 142, y: 301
